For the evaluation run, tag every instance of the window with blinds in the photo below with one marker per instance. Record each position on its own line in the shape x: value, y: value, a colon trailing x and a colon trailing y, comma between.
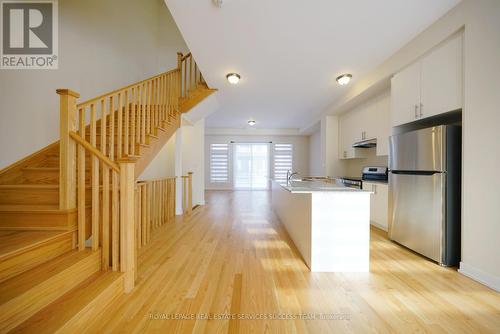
x: 282, y: 162
x: 219, y: 163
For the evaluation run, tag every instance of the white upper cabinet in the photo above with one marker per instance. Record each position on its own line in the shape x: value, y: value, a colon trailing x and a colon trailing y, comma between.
x: 350, y: 132
x: 405, y: 95
x: 442, y: 79
x: 431, y: 86
x: 367, y: 121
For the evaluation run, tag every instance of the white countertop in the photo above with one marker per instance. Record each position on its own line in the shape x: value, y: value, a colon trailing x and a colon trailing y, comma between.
x: 301, y: 187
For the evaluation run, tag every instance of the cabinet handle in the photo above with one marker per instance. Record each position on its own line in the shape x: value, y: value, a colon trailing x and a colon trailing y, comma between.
x: 345, y: 154
x: 416, y: 111
x: 421, y: 108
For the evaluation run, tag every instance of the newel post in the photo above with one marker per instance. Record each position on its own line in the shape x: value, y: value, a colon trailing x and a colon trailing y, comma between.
x: 127, y: 222
x: 190, y: 193
x: 179, y: 60
x: 67, y: 149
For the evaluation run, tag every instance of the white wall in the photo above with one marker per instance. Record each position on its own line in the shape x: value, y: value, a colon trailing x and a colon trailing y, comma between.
x: 300, y: 153
x: 193, y: 157
x: 481, y: 145
x: 163, y: 165
x: 330, y: 135
x: 315, y: 168
x: 354, y: 167
x: 103, y: 45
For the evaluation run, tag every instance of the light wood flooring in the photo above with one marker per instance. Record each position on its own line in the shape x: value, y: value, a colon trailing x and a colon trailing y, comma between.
x: 232, y: 257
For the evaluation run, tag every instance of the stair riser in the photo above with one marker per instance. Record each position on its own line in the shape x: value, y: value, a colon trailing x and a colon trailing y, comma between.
x: 45, y: 221
x: 19, y: 309
x: 30, y: 196
x: 33, y: 196
x: 79, y: 322
x: 19, y: 263
x: 44, y: 177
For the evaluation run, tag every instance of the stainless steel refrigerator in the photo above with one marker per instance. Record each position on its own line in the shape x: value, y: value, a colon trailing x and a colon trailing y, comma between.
x: 425, y: 192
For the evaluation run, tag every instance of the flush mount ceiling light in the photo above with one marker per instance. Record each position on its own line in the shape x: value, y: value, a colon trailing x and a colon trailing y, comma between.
x: 233, y: 78
x: 251, y: 122
x: 344, y: 79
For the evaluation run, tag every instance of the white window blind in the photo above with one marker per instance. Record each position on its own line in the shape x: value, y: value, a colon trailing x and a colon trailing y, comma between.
x: 283, y: 161
x: 219, y: 163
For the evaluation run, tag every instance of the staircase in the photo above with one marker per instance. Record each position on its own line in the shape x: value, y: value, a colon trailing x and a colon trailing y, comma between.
x: 67, y: 214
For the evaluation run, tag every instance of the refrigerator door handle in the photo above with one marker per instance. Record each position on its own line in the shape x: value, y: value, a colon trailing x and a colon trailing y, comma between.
x: 414, y: 172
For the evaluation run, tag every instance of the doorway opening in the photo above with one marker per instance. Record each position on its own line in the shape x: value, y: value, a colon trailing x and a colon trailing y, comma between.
x: 251, y: 166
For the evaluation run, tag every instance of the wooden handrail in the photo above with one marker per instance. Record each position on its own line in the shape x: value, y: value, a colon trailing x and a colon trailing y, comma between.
x: 186, y: 56
x: 120, y: 90
x: 94, y: 151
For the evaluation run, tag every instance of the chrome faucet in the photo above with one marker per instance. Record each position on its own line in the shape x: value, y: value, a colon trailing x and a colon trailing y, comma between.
x: 289, y: 176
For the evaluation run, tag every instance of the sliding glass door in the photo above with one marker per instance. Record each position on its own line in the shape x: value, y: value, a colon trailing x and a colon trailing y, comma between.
x: 251, y: 166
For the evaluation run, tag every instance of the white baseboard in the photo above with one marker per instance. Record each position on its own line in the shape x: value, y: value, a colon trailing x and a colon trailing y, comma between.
x: 480, y: 276
x: 379, y: 226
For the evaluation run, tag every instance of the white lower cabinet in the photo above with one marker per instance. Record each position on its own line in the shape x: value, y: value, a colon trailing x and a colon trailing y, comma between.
x: 379, y: 203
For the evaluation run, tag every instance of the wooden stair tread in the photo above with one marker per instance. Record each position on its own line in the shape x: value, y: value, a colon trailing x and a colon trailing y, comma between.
x: 21, y: 283
x: 41, y: 168
x: 24, y: 295
x: 72, y: 309
x: 45, y: 169
x: 14, y: 242
x: 30, y: 208
x: 29, y: 186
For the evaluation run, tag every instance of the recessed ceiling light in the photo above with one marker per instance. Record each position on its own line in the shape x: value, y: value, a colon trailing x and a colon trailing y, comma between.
x: 344, y: 79
x: 251, y: 122
x: 233, y: 78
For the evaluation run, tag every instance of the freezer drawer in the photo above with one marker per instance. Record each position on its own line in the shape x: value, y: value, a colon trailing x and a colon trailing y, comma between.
x: 421, y: 150
x: 418, y: 212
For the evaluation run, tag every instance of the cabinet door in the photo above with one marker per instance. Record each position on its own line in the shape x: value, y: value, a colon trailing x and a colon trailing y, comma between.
x: 379, y: 204
x: 405, y: 95
x: 373, y: 210
x: 382, y: 211
x: 442, y: 79
x: 369, y: 115
x: 348, y: 133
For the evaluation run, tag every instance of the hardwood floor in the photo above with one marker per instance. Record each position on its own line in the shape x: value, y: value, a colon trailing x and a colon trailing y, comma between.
x: 233, y: 257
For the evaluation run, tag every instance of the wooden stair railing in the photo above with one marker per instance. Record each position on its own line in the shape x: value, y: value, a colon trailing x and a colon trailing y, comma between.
x: 106, y: 135
x: 187, y: 193
x: 108, y: 129
x: 154, y: 206
x: 191, y: 75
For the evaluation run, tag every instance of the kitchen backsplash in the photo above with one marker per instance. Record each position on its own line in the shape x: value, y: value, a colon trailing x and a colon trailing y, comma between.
x: 353, y: 167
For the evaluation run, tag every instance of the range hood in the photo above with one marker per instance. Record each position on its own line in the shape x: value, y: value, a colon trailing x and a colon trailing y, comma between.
x: 368, y: 143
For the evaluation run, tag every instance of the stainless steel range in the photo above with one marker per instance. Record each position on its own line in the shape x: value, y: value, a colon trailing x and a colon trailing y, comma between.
x: 352, y: 182
x: 369, y: 174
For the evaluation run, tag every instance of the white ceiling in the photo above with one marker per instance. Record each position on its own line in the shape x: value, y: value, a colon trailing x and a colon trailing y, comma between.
x: 289, y: 52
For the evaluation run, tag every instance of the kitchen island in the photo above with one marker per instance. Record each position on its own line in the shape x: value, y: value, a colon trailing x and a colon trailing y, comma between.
x: 329, y: 223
